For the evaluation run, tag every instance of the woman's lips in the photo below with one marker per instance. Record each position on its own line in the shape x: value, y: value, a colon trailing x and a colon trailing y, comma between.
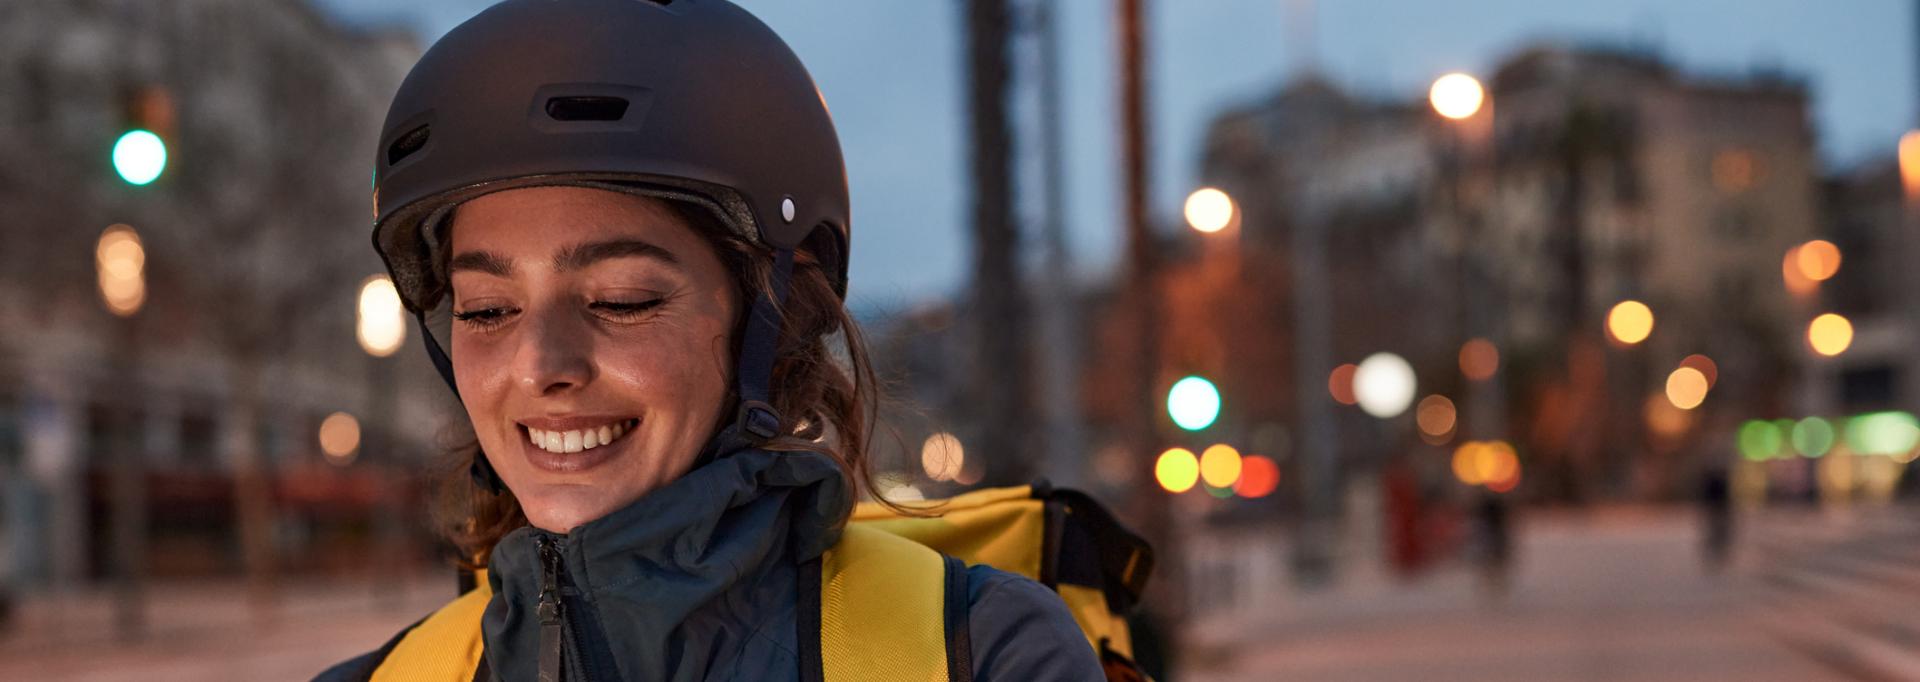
x: 573, y: 444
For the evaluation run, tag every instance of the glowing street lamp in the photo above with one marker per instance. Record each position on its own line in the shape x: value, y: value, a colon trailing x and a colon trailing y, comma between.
x: 1384, y: 385
x: 1209, y: 210
x: 1830, y: 334
x: 381, y: 321
x: 1630, y: 322
x: 1457, y: 96
x: 120, y: 261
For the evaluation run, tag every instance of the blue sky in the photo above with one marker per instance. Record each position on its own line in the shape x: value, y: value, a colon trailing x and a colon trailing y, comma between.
x: 891, y: 71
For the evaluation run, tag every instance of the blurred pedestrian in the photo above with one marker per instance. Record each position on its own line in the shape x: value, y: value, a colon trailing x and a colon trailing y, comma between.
x: 636, y: 288
x: 1496, y: 541
x: 1716, y: 516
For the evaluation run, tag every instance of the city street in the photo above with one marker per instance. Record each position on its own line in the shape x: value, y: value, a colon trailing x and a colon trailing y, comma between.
x: 1612, y: 595
x: 1617, y: 595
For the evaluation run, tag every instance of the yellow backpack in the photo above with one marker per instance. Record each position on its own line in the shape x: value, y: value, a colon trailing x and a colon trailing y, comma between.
x: 881, y: 586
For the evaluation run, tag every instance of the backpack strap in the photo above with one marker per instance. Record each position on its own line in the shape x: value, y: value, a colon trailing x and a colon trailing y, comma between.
x: 445, y: 647
x: 888, y: 608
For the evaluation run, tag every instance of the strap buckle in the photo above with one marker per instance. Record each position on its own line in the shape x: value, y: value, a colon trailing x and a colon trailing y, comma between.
x: 758, y: 419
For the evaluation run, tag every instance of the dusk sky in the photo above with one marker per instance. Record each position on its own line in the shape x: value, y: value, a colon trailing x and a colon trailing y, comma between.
x: 891, y: 71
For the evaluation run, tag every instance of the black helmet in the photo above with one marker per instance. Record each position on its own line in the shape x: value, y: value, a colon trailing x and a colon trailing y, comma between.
x: 689, y: 100
x: 693, y: 100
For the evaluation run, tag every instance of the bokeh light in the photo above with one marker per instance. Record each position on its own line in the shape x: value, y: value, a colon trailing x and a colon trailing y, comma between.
x: 1383, y: 385
x: 1817, y: 260
x: 1209, y: 210
x: 1340, y: 383
x: 942, y: 456
x: 1705, y: 365
x: 139, y: 157
x: 1479, y: 359
x: 1220, y: 465
x: 1436, y: 415
x: 381, y: 320
x: 1686, y: 388
x: 120, y: 263
x: 1177, y: 470
x: 1193, y: 403
x: 340, y: 437
x: 1830, y: 334
x: 1883, y: 433
x: 1259, y: 477
x: 1812, y: 437
x: 1795, y: 278
x: 1466, y: 462
x: 1760, y: 440
x: 1910, y: 160
x: 1456, y: 96
x: 1664, y: 419
x: 1630, y: 322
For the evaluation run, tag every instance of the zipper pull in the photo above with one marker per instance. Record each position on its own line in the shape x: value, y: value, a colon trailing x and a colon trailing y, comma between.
x: 549, y: 610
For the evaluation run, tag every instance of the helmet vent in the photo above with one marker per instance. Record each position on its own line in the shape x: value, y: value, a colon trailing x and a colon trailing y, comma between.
x: 408, y: 144
x: 587, y: 108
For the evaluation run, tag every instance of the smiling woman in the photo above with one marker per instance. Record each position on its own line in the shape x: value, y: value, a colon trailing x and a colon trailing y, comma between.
x: 623, y: 226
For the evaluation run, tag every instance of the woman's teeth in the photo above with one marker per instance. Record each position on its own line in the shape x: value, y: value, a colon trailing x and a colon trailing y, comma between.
x: 579, y: 439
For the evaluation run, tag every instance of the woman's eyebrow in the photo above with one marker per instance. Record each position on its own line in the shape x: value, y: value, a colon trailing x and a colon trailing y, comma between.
x: 483, y: 261
x: 582, y: 255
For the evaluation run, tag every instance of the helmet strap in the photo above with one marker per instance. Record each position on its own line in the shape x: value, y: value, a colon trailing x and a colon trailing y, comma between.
x: 755, y: 421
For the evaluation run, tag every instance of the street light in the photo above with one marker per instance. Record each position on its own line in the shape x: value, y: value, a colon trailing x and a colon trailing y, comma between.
x: 1830, y: 334
x: 1456, y: 96
x: 1209, y: 210
x: 120, y: 261
x: 1384, y: 385
x: 1630, y: 322
x: 1193, y: 403
x: 382, y: 323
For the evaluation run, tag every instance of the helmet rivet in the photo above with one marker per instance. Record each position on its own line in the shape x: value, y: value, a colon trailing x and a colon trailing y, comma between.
x: 786, y: 209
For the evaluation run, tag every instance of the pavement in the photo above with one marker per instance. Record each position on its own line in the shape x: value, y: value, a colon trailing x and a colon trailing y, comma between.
x: 1620, y: 594
x: 1616, y: 595
x: 213, y: 631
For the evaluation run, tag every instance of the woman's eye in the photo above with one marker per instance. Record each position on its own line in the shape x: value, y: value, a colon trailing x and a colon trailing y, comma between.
x: 483, y: 318
x: 625, y: 309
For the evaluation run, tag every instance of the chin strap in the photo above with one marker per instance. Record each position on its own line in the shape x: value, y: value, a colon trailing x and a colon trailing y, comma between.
x: 754, y: 420
x: 480, y: 469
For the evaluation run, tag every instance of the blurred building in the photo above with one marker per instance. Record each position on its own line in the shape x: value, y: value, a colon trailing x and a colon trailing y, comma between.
x: 1868, y: 219
x: 1590, y: 177
x: 255, y: 244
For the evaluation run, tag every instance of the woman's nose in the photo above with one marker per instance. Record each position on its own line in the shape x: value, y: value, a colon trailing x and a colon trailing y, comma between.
x: 555, y: 353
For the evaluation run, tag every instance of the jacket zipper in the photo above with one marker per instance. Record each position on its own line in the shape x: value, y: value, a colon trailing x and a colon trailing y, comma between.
x: 552, y: 634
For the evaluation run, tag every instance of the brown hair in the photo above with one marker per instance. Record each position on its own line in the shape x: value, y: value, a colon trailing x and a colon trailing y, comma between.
x: 827, y: 401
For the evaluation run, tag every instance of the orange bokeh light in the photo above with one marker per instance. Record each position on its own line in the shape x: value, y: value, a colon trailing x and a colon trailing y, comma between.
x: 1340, y: 384
x: 1479, y: 359
x: 1259, y: 477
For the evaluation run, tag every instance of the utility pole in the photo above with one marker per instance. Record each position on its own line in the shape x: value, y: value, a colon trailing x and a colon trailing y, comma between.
x: 1065, y: 445
x: 1001, y: 379
x: 1148, y: 507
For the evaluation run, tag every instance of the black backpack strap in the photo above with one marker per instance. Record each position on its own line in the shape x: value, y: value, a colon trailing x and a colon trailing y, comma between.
x: 806, y: 619
x: 959, y: 632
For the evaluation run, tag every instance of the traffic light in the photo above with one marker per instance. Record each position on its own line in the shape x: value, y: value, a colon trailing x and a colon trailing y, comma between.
x: 1194, y: 403
x: 140, y: 153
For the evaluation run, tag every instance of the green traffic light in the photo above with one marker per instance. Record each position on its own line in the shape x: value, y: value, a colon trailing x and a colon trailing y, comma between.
x: 139, y: 157
x: 1193, y: 403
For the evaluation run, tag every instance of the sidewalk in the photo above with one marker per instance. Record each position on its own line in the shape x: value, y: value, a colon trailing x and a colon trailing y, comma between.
x: 206, y: 631
x: 1615, y: 596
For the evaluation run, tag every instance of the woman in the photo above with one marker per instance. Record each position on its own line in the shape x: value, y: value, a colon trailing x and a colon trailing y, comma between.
x: 624, y: 225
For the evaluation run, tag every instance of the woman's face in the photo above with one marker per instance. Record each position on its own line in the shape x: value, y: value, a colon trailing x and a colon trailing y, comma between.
x: 591, y: 344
